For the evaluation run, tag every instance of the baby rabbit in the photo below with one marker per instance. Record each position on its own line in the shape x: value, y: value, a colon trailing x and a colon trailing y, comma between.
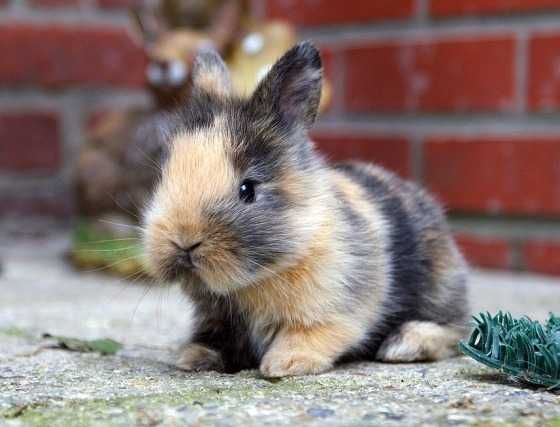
x: 295, y: 265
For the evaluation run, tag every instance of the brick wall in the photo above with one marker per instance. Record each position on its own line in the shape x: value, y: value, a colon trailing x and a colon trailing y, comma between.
x: 61, y: 61
x: 463, y: 96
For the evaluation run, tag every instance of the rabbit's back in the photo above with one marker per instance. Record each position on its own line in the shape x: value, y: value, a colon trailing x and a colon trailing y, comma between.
x: 427, y: 273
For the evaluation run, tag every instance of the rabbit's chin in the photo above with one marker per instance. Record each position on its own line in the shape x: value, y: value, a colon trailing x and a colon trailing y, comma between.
x: 213, y: 282
x: 221, y: 284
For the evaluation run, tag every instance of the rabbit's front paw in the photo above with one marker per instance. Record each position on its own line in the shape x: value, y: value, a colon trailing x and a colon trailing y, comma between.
x: 282, y: 364
x: 196, y: 357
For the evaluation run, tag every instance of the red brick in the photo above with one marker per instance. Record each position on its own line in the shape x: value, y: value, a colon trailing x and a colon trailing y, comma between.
x: 54, y: 3
x: 495, y: 174
x: 325, y: 12
x: 29, y: 142
x: 472, y: 7
x: 450, y: 75
x: 390, y: 152
x: 327, y: 59
x: 544, y: 72
x: 542, y: 256
x: 117, y: 4
x: 484, y: 251
x: 56, y: 55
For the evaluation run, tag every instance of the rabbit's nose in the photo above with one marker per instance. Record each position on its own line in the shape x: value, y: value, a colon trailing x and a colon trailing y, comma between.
x: 184, y: 257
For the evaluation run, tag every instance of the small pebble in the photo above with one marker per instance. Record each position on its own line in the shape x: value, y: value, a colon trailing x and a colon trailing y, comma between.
x: 320, y: 412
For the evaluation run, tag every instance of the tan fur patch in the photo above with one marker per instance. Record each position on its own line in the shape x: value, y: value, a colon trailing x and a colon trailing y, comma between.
x: 420, y: 341
x: 295, y: 294
x: 301, y: 350
x: 197, y: 174
x: 212, y: 78
x: 212, y: 84
x: 357, y: 197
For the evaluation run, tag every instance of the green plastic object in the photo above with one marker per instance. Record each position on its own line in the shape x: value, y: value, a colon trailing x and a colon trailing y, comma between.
x: 521, y: 348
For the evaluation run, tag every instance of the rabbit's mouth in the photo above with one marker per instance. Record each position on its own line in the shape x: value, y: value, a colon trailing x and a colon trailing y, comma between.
x: 172, y: 272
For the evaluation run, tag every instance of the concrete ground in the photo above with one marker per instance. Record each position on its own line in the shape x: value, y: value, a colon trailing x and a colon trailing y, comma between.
x: 139, y: 386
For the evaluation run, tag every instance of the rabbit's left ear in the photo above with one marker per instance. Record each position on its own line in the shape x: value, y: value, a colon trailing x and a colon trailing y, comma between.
x: 210, y: 74
x: 292, y: 88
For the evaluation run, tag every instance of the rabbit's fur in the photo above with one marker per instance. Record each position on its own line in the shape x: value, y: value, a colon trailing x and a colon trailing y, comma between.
x: 325, y: 264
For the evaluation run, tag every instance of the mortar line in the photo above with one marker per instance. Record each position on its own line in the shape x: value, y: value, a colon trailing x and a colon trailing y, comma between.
x: 513, y: 126
x: 15, y: 15
x: 505, y: 227
x: 521, y: 70
x: 422, y: 9
x: 22, y: 96
x: 419, y: 30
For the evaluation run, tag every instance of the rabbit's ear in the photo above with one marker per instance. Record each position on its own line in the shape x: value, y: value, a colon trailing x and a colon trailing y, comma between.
x: 210, y: 73
x: 148, y: 25
x: 292, y: 88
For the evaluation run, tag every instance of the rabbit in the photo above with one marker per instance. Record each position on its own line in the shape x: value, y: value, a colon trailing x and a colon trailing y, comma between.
x: 294, y: 265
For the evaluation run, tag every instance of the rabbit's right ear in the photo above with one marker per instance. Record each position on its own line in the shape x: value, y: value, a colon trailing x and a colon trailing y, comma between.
x: 210, y: 73
x: 292, y: 88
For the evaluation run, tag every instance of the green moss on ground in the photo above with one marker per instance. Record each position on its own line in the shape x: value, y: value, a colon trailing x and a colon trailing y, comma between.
x: 135, y: 410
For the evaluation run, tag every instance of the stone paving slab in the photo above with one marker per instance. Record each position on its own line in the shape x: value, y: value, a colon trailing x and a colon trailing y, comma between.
x: 139, y: 386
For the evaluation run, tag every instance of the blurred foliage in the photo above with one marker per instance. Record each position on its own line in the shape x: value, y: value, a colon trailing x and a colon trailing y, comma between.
x: 104, y: 346
x: 97, y: 250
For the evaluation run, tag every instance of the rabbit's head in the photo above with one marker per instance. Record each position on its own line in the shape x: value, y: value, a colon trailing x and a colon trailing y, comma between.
x: 242, y: 191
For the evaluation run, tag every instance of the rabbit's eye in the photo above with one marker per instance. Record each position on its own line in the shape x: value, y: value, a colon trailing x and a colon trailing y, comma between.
x: 247, y: 191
